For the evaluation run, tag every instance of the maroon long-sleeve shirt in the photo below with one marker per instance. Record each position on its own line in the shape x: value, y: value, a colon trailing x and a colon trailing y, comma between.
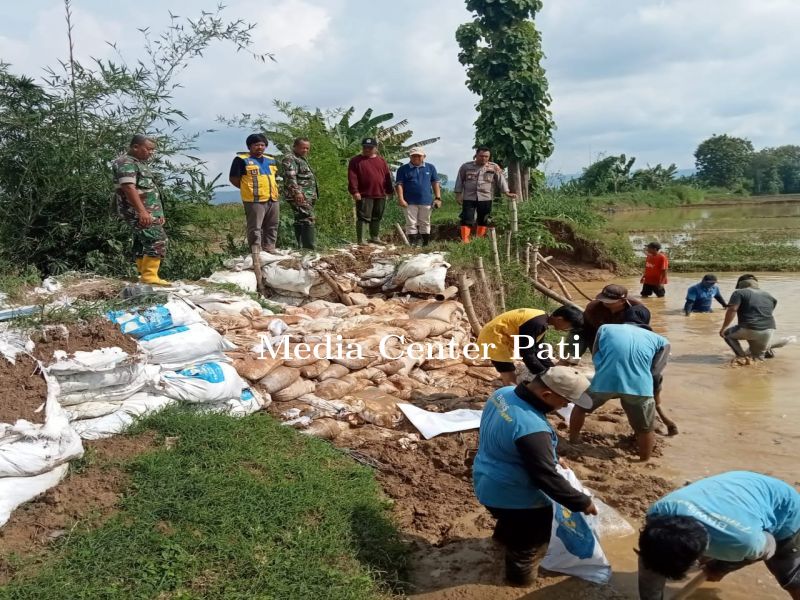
x: 369, y: 176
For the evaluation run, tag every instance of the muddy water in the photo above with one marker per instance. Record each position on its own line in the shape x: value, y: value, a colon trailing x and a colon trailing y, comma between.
x: 742, y: 417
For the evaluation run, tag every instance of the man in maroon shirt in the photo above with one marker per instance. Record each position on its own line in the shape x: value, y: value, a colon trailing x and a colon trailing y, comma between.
x: 369, y: 182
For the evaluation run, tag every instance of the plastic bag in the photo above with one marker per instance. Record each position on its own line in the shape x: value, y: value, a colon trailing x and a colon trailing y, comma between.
x: 18, y: 490
x: 290, y: 280
x: 430, y: 282
x: 185, y: 345
x: 136, y: 406
x: 574, y: 547
x: 246, y: 280
x: 279, y: 378
x: 204, y: 383
x: 418, y: 265
x: 154, y: 319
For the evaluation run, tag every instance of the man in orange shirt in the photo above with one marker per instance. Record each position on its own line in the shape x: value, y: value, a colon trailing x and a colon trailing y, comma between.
x: 655, y: 271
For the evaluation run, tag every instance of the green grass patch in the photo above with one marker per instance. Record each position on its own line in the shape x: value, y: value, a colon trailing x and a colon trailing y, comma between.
x: 743, y: 251
x: 239, y: 508
x: 675, y: 195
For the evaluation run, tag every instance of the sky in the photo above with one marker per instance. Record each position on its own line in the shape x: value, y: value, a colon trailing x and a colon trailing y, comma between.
x: 648, y: 78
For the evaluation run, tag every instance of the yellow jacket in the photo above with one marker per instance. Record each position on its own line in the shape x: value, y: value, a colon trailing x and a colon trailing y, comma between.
x: 258, y: 183
x: 499, y: 330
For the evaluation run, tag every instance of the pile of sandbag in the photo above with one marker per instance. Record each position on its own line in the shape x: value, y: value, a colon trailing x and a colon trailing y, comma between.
x: 355, y: 363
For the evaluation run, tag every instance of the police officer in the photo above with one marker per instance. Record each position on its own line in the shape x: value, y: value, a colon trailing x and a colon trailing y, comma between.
x: 301, y: 191
x: 139, y: 204
x: 476, y: 186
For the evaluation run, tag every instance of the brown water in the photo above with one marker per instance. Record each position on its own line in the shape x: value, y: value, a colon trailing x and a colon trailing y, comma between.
x: 742, y: 417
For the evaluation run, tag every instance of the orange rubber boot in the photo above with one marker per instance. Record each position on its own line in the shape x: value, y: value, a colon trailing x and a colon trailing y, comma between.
x: 481, y: 231
x: 465, y: 233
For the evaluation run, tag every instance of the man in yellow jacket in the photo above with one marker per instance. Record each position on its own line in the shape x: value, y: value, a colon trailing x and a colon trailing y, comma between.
x: 253, y: 173
x: 524, y: 329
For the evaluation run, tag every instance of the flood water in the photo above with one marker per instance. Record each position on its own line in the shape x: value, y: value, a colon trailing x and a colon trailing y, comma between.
x: 730, y: 417
x: 673, y: 226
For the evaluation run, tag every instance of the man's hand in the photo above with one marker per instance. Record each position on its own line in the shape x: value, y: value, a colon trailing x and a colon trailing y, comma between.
x: 437, y: 204
x: 642, y: 279
x: 563, y: 463
x: 357, y: 197
x: 300, y: 198
x: 722, y: 333
x: 145, y: 219
x: 590, y: 510
x: 713, y: 575
x: 402, y: 203
x: 511, y: 194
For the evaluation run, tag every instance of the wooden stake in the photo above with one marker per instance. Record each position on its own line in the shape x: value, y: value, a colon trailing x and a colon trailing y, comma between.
x: 536, y: 262
x: 447, y: 293
x: 508, y: 247
x: 553, y: 295
x: 569, y: 281
x: 514, y: 215
x: 558, y: 279
x: 337, y: 289
x: 255, y: 251
x: 402, y: 234
x: 466, y: 300
x: 493, y: 236
x: 528, y: 258
x: 487, y: 291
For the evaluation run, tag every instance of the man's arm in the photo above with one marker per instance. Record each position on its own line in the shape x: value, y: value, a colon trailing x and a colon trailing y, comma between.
x: 293, y: 191
x: 235, y: 175
x: 400, y: 198
x: 664, y: 267
x: 437, y: 188
x: 730, y: 314
x: 536, y: 451
x: 691, y: 296
x: 388, y: 184
x: 133, y: 198
x: 718, y: 297
x: 502, y: 183
x: 534, y: 329
x: 459, y: 185
x: 352, y: 180
x: 651, y: 584
x: 657, y: 367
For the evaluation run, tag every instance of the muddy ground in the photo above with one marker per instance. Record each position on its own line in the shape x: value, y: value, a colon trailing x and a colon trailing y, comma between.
x: 97, y: 333
x: 23, y: 390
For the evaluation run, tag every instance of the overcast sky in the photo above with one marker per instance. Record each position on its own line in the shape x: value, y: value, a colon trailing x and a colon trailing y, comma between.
x: 648, y: 78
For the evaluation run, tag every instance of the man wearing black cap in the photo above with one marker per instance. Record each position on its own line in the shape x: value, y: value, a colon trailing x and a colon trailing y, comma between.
x: 369, y: 183
x: 610, y: 306
x: 700, y: 295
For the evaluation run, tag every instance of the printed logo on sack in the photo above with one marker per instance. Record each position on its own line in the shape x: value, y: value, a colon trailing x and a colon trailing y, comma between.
x: 210, y: 372
x: 574, y: 532
x: 173, y: 331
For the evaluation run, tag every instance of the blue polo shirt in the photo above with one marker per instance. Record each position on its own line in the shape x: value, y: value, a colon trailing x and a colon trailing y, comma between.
x: 416, y: 182
x: 736, y: 508
x: 699, y: 297
x: 623, y: 359
x: 499, y: 475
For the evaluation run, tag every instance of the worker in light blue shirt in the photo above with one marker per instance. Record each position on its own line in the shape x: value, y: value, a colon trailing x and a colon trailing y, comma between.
x: 700, y: 295
x: 727, y: 522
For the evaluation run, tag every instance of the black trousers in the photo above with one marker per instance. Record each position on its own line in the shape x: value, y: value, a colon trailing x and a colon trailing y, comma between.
x: 523, y: 531
x: 471, y: 208
x: 658, y: 290
x: 370, y: 213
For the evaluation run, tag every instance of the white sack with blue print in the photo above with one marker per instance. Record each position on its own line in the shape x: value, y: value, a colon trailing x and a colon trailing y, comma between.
x: 205, y: 383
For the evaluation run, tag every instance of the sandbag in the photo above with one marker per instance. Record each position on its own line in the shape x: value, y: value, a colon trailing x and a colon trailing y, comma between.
x: 112, y: 385
x: 248, y: 402
x: 279, y: 378
x: 415, y: 330
x: 254, y: 368
x: 246, y: 280
x: 353, y: 364
x: 448, y: 311
x: 203, y: 383
x: 18, y: 490
x: 138, y: 405
x: 333, y: 389
x: 139, y: 323
x: 436, y: 326
x: 487, y: 374
x: 185, y: 345
x: 91, y: 410
x: 225, y: 322
x: 315, y: 369
x: 574, y: 547
x: 418, y: 265
x: 326, y: 428
x: 334, y: 371
x: 223, y: 302
x: 290, y: 280
x: 295, y: 390
x: 379, y: 408
x: 370, y: 373
x: 430, y: 282
x: 310, y: 359
x: 441, y: 363
x: 96, y: 361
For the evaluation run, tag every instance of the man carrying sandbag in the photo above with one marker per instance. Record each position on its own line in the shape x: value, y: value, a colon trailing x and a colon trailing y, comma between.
x: 514, y: 474
x: 724, y: 522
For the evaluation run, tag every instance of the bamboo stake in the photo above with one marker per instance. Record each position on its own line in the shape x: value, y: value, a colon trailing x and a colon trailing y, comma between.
x: 514, y: 215
x: 487, y: 291
x: 493, y: 236
x: 337, y: 289
x: 558, y: 279
x: 536, y: 261
x: 466, y: 300
x: 447, y: 293
x: 255, y: 250
x: 553, y: 295
x: 569, y: 281
x: 527, y: 258
x: 508, y: 246
x: 402, y: 234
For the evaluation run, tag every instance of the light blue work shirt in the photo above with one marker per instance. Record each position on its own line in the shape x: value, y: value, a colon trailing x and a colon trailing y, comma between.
x: 623, y: 359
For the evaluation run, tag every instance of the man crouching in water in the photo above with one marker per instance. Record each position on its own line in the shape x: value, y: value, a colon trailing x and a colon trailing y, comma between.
x: 514, y: 473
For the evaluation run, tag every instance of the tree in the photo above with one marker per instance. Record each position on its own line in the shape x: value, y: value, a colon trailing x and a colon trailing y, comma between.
x: 654, y: 178
x: 609, y: 174
x: 501, y: 49
x: 721, y: 160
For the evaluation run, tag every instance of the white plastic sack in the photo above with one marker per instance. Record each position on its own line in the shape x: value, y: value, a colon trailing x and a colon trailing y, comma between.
x: 248, y: 402
x: 290, y: 280
x: 244, y: 279
x: 102, y: 359
x: 431, y: 424
x: 204, y: 383
x: 137, y: 377
x: 12, y: 342
x: 226, y: 303
x: 420, y: 264
x: 432, y: 282
x: 138, y: 405
x: 154, y: 319
x: 574, y: 547
x: 18, y: 490
x: 185, y: 345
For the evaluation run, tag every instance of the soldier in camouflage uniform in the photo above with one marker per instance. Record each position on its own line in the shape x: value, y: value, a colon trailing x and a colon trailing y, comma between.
x: 139, y: 204
x: 301, y: 191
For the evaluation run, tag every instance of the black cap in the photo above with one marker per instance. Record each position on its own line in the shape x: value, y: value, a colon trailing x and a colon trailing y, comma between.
x: 710, y: 277
x: 612, y: 293
x: 638, y: 315
x: 369, y: 142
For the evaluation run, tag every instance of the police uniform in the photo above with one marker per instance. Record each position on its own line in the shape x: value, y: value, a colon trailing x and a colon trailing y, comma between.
x: 479, y: 185
x: 150, y: 240
x: 299, y: 179
x: 259, y: 192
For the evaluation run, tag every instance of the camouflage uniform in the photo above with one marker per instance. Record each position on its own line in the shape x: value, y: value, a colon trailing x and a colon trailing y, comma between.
x: 147, y: 241
x: 300, y: 179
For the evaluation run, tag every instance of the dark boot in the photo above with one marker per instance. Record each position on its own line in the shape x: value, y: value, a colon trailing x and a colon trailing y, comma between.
x: 360, y: 231
x: 519, y: 566
x: 412, y: 239
x: 426, y: 238
x: 308, y: 235
x: 298, y: 233
x: 375, y: 231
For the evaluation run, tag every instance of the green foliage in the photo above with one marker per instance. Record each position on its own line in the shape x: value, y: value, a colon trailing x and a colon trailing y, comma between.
x: 614, y: 174
x: 501, y: 49
x: 775, y: 170
x: 58, y: 137
x: 238, y: 508
x: 742, y: 252
x: 721, y: 160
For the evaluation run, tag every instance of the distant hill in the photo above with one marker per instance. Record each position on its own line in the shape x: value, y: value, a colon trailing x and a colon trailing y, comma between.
x: 226, y: 196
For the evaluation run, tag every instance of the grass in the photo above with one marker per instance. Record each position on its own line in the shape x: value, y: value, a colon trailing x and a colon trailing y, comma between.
x: 675, y: 195
x: 743, y: 251
x: 237, y: 509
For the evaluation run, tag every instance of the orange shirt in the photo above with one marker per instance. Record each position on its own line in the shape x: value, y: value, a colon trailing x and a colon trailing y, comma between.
x: 654, y: 265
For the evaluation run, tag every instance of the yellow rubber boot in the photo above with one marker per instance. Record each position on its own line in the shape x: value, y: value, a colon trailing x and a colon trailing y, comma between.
x: 139, y: 266
x: 150, y: 265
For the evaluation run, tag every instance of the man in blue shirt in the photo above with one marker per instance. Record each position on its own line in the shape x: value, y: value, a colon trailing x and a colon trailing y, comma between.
x: 727, y: 522
x: 418, y: 192
x: 628, y: 360
x: 514, y: 473
x: 700, y: 295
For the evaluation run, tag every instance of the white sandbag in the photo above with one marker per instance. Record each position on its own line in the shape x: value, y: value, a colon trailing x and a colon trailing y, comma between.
x: 431, y: 424
x: 92, y: 387
x: 100, y: 360
x: 18, y: 490
x: 431, y: 282
x: 136, y: 406
x: 204, y: 383
x: 244, y: 279
x: 154, y: 319
x: 448, y: 311
x: 185, y: 345
x: 295, y: 390
x: 379, y: 270
x: 418, y: 265
x: 574, y: 547
x: 222, y: 302
x: 290, y: 280
x: 12, y: 342
x: 248, y: 402
x: 91, y: 410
